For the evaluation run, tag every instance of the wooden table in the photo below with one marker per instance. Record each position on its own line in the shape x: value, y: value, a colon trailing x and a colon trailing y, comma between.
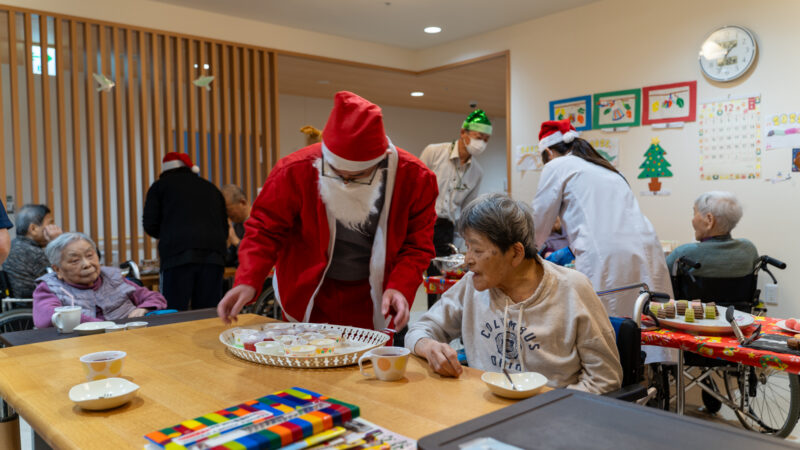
x: 184, y: 372
x: 151, y: 280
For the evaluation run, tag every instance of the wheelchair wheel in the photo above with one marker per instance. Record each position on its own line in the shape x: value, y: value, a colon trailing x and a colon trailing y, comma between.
x: 767, y: 399
x: 16, y: 320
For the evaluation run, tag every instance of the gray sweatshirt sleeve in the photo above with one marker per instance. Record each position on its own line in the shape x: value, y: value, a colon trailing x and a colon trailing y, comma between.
x: 442, y: 322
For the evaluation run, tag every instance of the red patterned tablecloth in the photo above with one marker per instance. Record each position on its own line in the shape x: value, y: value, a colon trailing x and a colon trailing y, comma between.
x: 726, y: 347
x: 437, y: 284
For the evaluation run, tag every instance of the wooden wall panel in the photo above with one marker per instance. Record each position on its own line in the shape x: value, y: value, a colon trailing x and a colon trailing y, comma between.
x: 114, y: 139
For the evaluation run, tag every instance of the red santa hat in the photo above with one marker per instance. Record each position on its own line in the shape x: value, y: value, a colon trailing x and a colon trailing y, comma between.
x: 353, y: 138
x: 174, y: 160
x: 555, y: 131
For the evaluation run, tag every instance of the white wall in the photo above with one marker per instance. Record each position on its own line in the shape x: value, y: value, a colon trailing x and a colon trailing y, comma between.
x: 409, y: 129
x: 622, y: 44
x: 178, y: 19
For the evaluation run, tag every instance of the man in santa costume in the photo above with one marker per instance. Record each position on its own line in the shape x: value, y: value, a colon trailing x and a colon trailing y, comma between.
x: 347, y: 223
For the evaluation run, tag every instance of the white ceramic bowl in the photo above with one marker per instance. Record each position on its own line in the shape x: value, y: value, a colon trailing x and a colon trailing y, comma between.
x: 527, y: 383
x: 103, y: 394
x: 135, y: 325
x: 93, y: 327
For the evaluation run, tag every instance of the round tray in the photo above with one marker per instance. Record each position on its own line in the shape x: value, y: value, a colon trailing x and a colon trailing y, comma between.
x: 357, y: 342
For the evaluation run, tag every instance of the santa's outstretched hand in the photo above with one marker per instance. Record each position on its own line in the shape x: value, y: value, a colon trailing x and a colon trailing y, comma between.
x: 396, y: 304
x: 233, y: 302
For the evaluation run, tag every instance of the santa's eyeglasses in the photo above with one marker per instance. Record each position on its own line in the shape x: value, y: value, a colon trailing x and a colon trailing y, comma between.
x: 358, y: 178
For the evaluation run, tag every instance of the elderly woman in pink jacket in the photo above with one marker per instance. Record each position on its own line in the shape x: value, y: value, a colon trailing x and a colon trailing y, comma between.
x: 101, y: 292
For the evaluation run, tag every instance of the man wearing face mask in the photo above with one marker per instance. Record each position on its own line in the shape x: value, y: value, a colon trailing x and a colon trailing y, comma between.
x: 347, y: 223
x: 458, y: 176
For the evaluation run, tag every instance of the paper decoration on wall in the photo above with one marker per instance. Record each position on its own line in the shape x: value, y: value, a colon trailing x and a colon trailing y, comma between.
x: 796, y: 160
x: 204, y: 82
x: 616, y: 109
x: 676, y: 102
x: 730, y: 139
x: 105, y: 83
x: 608, y: 149
x: 779, y: 177
x: 655, y: 166
x: 527, y: 157
x: 782, y: 131
x: 577, y: 109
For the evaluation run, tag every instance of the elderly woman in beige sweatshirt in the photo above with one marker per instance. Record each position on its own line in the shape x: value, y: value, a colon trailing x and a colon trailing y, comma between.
x: 517, y: 311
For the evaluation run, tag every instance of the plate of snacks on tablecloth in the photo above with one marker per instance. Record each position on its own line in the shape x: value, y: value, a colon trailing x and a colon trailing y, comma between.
x: 698, y: 317
x: 789, y: 325
x: 301, y: 345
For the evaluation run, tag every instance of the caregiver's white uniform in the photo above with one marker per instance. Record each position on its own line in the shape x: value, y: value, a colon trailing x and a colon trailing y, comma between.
x: 613, y: 242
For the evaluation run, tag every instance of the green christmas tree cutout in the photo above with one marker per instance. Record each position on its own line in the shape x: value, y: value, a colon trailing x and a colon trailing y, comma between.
x: 655, y: 166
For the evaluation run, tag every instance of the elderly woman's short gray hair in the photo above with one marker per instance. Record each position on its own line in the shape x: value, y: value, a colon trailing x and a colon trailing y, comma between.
x: 56, y: 246
x: 502, y: 220
x: 724, y: 206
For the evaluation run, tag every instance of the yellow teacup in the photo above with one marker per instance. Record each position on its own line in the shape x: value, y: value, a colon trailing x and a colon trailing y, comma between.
x: 100, y: 365
x: 389, y: 363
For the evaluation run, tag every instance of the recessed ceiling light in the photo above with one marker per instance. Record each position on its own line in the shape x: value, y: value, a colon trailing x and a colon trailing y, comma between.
x: 417, y: 94
x: 206, y: 66
x: 432, y: 30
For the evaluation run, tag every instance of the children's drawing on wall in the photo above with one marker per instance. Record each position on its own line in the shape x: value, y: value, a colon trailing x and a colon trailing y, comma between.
x: 796, y: 160
x: 655, y: 166
x: 782, y: 131
x: 669, y: 103
x: 730, y: 139
x: 577, y: 109
x: 616, y: 109
x: 608, y: 149
x: 527, y: 157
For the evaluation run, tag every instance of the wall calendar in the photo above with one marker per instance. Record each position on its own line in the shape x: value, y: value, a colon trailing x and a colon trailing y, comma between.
x: 730, y: 139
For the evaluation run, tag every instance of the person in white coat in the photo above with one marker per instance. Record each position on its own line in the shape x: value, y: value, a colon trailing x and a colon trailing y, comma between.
x: 613, y: 242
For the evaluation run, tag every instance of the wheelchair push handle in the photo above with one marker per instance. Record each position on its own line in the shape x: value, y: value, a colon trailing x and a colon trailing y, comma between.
x: 688, y: 262
x: 773, y: 262
x: 660, y: 295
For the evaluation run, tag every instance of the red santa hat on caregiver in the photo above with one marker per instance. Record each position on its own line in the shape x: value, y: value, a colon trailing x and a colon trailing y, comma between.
x: 353, y: 138
x: 555, y: 131
x: 175, y: 160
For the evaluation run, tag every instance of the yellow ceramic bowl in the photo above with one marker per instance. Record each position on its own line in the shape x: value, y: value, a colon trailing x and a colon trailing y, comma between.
x: 100, y: 365
x: 527, y: 383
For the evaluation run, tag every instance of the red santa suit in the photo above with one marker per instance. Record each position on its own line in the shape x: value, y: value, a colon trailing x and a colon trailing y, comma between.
x: 291, y: 228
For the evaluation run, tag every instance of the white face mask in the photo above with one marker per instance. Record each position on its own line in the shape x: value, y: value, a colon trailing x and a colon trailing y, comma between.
x: 476, y: 146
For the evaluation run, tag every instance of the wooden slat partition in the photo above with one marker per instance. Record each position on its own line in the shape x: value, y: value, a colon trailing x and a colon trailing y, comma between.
x: 62, y: 132
x: 15, y: 114
x: 113, y: 140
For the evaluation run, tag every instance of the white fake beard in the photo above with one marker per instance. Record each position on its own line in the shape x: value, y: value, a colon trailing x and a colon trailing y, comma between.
x: 351, y: 203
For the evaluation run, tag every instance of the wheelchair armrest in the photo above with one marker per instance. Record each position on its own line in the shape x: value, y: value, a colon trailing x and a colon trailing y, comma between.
x: 629, y: 393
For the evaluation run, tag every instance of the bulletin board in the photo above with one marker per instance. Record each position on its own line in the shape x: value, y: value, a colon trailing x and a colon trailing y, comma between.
x: 730, y: 139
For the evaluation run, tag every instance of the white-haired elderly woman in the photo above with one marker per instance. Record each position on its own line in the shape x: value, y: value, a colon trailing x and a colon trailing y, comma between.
x: 101, y: 292
x: 716, y: 213
x: 516, y: 311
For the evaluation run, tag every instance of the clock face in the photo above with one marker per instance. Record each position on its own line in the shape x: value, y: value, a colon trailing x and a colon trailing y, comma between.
x: 727, y: 53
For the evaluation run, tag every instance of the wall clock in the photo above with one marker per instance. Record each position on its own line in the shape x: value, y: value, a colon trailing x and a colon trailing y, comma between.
x: 727, y: 53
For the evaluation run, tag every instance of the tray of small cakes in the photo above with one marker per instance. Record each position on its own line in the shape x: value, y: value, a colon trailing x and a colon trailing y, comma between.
x: 697, y: 317
x: 301, y: 345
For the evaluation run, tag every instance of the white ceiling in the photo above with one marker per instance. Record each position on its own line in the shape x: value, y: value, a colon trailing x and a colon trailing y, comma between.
x: 397, y: 23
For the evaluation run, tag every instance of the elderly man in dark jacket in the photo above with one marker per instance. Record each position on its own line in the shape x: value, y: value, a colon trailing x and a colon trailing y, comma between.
x: 187, y: 215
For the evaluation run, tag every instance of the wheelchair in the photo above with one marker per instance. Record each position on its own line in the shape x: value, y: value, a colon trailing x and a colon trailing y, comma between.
x: 765, y: 400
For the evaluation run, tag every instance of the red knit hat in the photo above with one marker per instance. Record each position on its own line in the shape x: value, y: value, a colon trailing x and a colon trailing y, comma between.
x: 353, y: 138
x: 174, y: 160
x: 555, y: 131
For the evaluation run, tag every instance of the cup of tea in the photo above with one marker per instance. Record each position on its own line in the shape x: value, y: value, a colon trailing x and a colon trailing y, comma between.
x: 389, y: 363
x: 100, y: 365
x: 66, y: 318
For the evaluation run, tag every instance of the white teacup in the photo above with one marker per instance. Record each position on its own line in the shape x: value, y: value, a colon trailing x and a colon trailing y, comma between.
x: 389, y: 363
x: 66, y: 318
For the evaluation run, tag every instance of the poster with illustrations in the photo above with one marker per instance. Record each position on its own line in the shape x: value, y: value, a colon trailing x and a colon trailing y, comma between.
x: 608, y: 149
x: 527, y: 157
x: 782, y: 131
x: 676, y: 102
x: 796, y: 160
x: 577, y: 109
x: 730, y: 138
x: 616, y: 109
x: 655, y: 165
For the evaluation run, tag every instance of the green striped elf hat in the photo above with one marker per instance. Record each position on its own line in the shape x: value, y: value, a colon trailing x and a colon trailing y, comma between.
x: 477, y: 121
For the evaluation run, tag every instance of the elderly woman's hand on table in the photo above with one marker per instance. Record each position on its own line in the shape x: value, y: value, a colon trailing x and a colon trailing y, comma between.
x: 138, y: 312
x: 441, y: 357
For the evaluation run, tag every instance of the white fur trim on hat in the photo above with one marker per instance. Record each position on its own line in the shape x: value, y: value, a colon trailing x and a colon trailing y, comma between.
x: 345, y: 164
x: 557, y: 137
x: 174, y: 164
